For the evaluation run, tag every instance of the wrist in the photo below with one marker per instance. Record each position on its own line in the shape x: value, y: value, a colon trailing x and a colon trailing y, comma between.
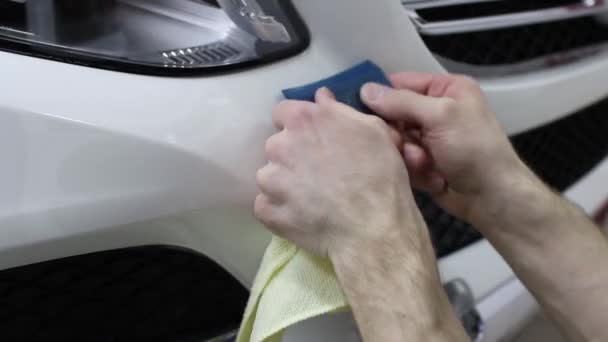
x: 401, y: 263
x: 398, y: 244
x: 387, y: 281
x: 516, y: 196
x: 401, y: 248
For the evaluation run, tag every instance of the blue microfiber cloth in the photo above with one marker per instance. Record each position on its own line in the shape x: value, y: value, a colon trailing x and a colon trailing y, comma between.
x: 345, y: 86
x: 293, y: 285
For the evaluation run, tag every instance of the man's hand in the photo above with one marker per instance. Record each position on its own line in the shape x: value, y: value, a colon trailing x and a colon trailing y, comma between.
x: 336, y: 185
x: 334, y: 178
x: 454, y: 147
x: 457, y: 152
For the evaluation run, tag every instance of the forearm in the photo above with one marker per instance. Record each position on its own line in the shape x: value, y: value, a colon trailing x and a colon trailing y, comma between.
x: 395, y: 293
x: 555, y: 250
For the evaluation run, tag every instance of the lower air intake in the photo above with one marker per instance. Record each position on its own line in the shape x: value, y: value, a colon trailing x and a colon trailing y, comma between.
x: 137, y: 294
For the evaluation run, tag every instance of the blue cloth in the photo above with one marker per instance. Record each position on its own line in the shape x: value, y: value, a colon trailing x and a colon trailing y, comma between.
x: 346, y: 86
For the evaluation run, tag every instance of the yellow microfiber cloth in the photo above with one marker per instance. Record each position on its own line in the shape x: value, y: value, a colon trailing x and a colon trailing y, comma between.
x: 291, y: 286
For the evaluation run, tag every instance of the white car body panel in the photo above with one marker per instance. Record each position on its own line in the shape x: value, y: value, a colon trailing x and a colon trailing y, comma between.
x: 101, y: 160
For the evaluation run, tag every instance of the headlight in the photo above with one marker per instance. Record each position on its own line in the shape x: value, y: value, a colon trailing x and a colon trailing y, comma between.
x: 166, y: 37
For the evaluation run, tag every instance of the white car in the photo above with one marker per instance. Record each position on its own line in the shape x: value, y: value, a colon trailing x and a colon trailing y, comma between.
x: 131, y: 130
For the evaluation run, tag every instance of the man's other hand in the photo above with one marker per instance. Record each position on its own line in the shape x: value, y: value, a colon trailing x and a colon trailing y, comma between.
x: 454, y: 147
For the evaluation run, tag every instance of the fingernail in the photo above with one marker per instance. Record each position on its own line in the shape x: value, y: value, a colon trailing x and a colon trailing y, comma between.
x: 413, y: 154
x: 324, y: 92
x: 372, y: 92
x: 410, y: 149
x: 439, y: 183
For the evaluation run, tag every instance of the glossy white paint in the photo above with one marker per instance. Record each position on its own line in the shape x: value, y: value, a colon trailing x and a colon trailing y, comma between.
x: 506, y: 311
x: 96, y: 160
x: 101, y: 150
x: 529, y: 100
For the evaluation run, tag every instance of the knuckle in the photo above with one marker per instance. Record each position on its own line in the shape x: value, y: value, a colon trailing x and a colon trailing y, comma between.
x: 285, y: 106
x: 273, y: 148
x: 280, y: 108
x: 439, y: 86
x: 261, y: 177
x: 378, y: 125
x: 301, y: 116
x: 269, y: 215
x: 303, y: 113
x: 446, y: 106
x: 262, y: 209
x: 268, y: 175
x: 330, y: 107
x: 295, y: 113
x: 468, y: 83
x: 376, y: 122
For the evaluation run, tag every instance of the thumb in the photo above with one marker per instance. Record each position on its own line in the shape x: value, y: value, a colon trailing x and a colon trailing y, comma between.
x: 400, y: 104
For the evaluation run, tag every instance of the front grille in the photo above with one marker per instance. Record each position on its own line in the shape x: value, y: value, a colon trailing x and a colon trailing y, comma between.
x: 487, y: 8
x: 561, y: 153
x: 518, y: 44
x: 137, y: 294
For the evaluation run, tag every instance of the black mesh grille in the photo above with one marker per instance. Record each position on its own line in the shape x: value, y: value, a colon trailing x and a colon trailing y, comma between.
x: 564, y: 151
x: 518, y: 44
x: 485, y: 9
x: 141, y: 294
x: 561, y: 153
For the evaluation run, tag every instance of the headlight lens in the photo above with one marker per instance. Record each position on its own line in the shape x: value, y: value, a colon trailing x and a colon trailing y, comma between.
x: 167, y: 37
